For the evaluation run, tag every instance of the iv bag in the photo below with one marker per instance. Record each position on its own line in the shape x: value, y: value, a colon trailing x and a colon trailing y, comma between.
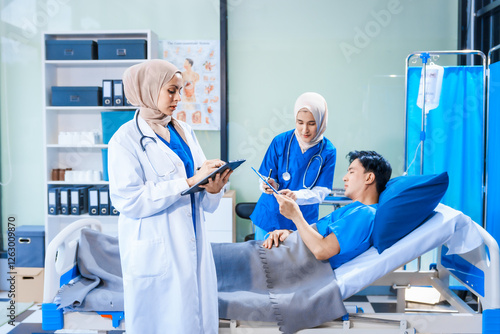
x: 433, y: 83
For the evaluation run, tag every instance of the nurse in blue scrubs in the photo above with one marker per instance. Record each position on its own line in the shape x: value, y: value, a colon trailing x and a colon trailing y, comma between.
x: 300, y: 164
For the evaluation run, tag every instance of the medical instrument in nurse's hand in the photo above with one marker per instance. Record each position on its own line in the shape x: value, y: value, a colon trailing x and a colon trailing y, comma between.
x: 286, y: 176
x: 228, y: 165
x: 141, y: 142
x: 263, y: 178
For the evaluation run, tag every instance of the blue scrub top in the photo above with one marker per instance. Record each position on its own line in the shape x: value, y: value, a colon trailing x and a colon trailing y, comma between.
x: 179, y: 146
x: 353, y: 227
x: 266, y: 214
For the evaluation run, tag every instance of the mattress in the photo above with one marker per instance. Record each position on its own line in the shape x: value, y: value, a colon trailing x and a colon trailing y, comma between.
x: 447, y: 226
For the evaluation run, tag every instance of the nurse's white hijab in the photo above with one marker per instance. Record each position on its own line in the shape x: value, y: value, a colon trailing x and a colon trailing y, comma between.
x: 142, y: 84
x: 316, y: 104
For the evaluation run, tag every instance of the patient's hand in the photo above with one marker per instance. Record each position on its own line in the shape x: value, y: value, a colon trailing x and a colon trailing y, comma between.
x: 275, y: 237
x: 288, y: 193
x: 288, y: 207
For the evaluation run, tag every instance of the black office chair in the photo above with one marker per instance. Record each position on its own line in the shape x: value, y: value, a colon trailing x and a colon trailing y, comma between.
x: 244, y: 210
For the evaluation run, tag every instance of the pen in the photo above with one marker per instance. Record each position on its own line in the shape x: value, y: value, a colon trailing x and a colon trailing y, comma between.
x: 270, y: 171
x: 265, y: 181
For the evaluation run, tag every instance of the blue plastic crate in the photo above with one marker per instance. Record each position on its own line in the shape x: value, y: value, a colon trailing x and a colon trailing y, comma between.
x: 75, y: 96
x: 105, y: 175
x: 70, y: 49
x: 111, y: 122
x: 121, y: 49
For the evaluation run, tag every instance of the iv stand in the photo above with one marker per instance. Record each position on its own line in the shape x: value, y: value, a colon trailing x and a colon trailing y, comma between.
x: 424, y: 56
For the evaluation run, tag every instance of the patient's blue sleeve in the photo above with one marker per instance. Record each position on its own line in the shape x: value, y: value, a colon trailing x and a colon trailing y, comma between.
x: 353, y: 227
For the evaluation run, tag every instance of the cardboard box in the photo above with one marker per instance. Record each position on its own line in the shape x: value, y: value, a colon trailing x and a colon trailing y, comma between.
x: 29, y: 284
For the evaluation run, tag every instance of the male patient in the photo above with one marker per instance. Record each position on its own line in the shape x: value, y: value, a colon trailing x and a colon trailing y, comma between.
x: 346, y: 232
x: 291, y: 284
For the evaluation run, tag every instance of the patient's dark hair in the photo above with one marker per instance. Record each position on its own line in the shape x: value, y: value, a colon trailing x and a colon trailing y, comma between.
x: 375, y: 163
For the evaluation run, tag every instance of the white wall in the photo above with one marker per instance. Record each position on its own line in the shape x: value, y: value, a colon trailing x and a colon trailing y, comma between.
x: 351, y: 52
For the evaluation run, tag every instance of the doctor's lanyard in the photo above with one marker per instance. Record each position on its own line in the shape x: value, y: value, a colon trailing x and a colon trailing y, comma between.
x: 286, y: 176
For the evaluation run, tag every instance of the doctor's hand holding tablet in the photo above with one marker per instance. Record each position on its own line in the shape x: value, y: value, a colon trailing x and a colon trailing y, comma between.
x: 214, y: 185
x: 212, y: 175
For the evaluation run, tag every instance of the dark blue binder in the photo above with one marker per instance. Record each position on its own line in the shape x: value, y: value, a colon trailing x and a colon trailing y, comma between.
x: 54, y: 201
x: 94, y: 201
x: 79, y: 196
x: 117, y: 93
x: 65, y: 201
x: 107, y: 93
x: 104, y: 201
x: 113, y: 211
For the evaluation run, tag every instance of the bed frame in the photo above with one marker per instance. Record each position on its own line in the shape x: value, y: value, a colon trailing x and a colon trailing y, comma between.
x: 477, y: 270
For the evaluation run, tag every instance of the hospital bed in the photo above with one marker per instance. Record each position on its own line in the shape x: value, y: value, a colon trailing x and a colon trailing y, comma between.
x: 477, y: 268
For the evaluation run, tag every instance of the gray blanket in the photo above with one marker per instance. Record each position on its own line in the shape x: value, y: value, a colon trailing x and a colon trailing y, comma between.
x: 100, y: 286
x: 286, y: 285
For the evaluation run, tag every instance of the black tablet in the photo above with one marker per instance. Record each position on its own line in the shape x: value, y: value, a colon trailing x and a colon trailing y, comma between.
x: 231, y: 165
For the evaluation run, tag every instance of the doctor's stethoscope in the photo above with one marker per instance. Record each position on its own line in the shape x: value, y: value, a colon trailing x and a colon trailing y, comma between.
x: 141, y: 142
x: 286, y: 176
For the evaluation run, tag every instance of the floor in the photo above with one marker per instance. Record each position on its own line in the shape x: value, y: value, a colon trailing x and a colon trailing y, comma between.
x: 30, y: 321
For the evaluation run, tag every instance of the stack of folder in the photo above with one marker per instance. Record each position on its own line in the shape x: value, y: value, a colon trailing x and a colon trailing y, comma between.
x: 79, y: 200
x: 113, y: 94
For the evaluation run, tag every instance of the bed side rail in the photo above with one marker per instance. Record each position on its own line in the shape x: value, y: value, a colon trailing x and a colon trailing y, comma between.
x: 480, y: 264
x: 60, y: 255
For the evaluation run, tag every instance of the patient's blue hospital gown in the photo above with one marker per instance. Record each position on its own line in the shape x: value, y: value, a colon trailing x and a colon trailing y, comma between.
x: 266, y: 214
x: 353, y: 227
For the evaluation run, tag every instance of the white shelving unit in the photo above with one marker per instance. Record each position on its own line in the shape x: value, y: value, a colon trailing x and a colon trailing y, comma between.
x: 220, y: 224
x: 80, y: 119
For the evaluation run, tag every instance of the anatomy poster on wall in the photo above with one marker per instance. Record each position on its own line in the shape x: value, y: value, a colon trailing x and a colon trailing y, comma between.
x: 199, y: 63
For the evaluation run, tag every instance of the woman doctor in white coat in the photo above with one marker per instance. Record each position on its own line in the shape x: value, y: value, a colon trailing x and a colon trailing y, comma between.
x: 169, y: 277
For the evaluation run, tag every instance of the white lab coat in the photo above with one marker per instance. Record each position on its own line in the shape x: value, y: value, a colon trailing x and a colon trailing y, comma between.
x: 168, y: 273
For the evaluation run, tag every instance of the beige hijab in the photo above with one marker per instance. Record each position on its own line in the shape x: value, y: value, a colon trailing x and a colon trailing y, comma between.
x: 142, y: 84
x: 316, y: 104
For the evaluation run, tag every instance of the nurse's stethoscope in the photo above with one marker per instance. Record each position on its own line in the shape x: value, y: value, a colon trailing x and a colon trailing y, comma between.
x: 286, y: 176
x: 141, y: 142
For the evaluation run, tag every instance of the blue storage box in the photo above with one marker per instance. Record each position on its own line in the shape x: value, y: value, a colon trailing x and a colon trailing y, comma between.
x: 121, y: 49
x: 112, y: 120
x: 76, y: 96
x: 30, y: 246
x: 70, y: 49
x: 105, y: 175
